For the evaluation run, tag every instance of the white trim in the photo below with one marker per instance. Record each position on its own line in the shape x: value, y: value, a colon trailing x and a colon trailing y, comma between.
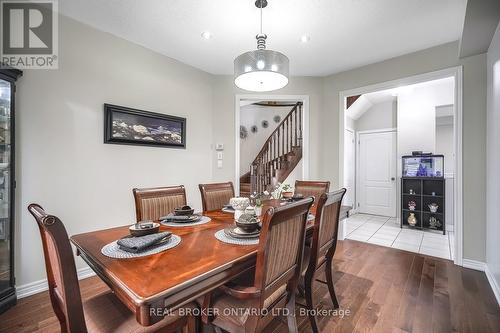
x: 305, y: 130
x: 474, y: 264
x: 493, y: 283
x: 483, y: 267
x: 456, y: 72
x: 382, y: 130
x: 36, y: 287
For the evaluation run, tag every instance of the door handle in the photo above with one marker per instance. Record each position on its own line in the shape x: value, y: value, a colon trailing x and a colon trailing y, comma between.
x: 393, y: 179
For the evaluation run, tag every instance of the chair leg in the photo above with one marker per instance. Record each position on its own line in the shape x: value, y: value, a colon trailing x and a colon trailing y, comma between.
x: 308, y: 281
x: 329, y: 281
x: 291, y: 319
x: 190, y: 326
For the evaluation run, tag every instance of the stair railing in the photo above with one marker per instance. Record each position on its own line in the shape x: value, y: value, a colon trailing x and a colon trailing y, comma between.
x: 272, y: 156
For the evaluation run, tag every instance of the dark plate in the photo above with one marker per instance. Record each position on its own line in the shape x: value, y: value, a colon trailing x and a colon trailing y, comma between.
x: 190, y: 219
x: 230, y: 231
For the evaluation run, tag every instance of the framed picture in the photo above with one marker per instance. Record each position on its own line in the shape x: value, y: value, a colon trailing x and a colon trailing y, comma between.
x: 128, y: 126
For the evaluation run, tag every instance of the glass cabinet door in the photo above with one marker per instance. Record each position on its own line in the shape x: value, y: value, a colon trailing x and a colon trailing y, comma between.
x: 5, y: 170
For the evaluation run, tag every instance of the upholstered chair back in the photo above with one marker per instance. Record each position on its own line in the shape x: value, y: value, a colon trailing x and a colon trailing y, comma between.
x: 215, y: 196
x: 154, y: 203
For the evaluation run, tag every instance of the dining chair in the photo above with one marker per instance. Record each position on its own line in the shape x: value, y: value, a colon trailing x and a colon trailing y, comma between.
x: 101, y: 313
x: 154, y: 203
x: 320, y: 254
x: 215, y: 196
x: 249, y: 303
x: 311, y: 188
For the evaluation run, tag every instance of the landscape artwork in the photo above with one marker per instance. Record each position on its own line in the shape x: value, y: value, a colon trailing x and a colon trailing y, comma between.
x: 136, y: 127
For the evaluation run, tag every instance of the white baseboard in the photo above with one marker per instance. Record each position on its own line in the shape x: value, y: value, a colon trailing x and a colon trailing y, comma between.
x: 38, y: 286
x: 493, y: 283
x: 474, y: 264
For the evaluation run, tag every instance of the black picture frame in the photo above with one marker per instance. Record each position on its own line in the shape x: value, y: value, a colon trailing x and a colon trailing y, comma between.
x: 141, y: 123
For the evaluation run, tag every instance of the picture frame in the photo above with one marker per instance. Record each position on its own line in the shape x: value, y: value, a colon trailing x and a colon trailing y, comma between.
x: 127, y: 126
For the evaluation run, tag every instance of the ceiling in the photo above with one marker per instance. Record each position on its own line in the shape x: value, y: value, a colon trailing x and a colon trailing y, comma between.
x: 443, y: 88
x: 344, y: 34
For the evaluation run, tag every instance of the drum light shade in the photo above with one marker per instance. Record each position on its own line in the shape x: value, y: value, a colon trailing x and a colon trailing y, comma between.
x: 261, y: 70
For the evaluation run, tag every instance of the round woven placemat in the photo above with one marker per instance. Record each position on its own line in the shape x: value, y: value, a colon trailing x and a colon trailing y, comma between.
x: 221, y: 235
x: 112, y: 249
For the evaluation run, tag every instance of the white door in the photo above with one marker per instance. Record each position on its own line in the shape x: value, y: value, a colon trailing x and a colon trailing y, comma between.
x: 377, y: 173
x: 349, y: 167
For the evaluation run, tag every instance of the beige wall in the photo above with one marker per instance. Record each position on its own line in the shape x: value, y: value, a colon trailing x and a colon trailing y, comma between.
x: 493, y: 161
x: 474, y: 121
x: 62, y: 161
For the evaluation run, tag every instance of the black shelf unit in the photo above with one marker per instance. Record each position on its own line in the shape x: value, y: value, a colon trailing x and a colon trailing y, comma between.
x: 422, y: 189
x: 8, y: 78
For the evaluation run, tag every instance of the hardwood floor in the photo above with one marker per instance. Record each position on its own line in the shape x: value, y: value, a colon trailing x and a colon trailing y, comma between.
x: 384, y: 290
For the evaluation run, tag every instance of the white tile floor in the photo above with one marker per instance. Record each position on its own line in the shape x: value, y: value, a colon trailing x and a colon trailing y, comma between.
x: 386, y: 231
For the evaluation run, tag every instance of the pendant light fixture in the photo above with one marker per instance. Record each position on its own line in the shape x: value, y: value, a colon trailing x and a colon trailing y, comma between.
x: 261, y: 70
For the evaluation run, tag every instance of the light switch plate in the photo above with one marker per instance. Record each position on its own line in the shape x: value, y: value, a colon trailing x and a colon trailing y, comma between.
x: 219, y: 146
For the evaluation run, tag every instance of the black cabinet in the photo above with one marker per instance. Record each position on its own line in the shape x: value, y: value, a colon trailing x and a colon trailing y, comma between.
x: 424, y: 199
x: 8, y: 79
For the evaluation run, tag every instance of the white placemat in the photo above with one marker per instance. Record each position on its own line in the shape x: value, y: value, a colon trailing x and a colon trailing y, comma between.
x: 221, y: 235
x: 112, y: 250
x: 203, y: 220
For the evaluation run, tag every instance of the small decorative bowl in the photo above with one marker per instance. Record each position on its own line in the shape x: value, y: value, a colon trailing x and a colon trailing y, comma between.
x: 247, y: 223
x: 184, y: 210
x: 287, y: 195
x: 239, y: 203
x: 144, y: 228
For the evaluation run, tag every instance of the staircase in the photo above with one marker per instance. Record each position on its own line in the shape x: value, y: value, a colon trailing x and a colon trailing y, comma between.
x: 278, y: 157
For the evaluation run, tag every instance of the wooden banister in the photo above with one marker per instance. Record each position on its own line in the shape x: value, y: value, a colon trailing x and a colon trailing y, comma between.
x: 273, y: 156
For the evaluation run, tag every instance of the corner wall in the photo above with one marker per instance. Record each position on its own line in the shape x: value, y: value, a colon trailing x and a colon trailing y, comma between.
x: 493, y: 164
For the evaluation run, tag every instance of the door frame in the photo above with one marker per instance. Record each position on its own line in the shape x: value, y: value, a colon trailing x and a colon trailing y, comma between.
x: 455, y: 72
x: 358, y: 183
x: 270, y: 97
x: 354, y: 209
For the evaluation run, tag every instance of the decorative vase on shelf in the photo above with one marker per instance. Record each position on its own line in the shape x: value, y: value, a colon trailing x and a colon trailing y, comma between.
x: 412, y: 220
x: 411, y: 205
x: 433, y: 207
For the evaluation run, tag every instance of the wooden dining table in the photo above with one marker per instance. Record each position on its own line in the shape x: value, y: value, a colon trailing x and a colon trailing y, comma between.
x: 172, y: 278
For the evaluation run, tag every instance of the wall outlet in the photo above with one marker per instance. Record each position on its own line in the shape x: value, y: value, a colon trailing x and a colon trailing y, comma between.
x: 219, y: 164
x: 219, y: 155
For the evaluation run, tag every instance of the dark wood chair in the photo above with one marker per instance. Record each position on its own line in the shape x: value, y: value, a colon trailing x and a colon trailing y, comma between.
x: 101, y: 313
x: 320, y: 254
x: 311, y: 188
x: 274, y: 281
x: 215, y: 196
x: 153, y: 203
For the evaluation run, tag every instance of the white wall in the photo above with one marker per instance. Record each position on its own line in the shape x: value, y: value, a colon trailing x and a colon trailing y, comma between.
x: 62, y: 162
x: 417, y: 115
x: 379, y: 116
x: 445, y: 146
x: 474, y: 122
x: 493, y: 160
x: 254, y: 115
